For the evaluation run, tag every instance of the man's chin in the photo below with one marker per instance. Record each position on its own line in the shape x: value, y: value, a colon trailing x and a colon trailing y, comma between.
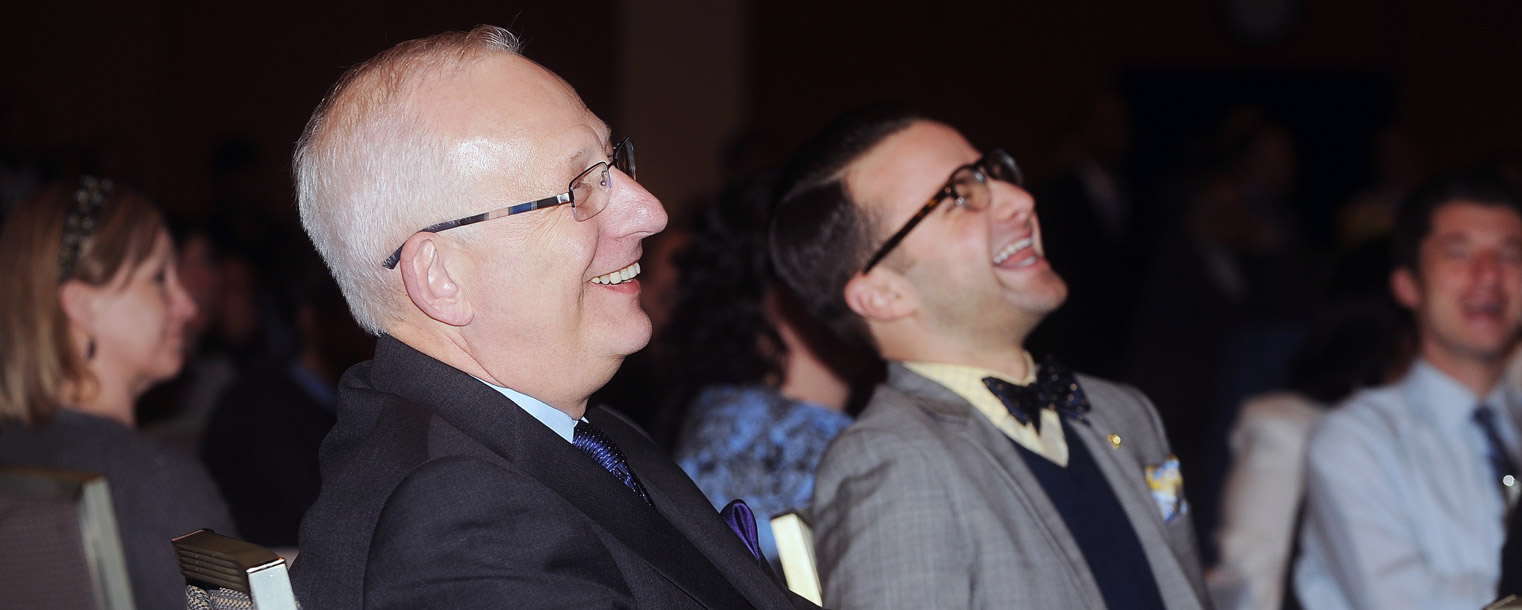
x: 631, y: 337
x: 1040, y: 295
x: 603, y: 372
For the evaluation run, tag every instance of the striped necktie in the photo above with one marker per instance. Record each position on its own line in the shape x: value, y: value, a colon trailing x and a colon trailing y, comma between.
x: 1500, y: 461
x: 601, y: 449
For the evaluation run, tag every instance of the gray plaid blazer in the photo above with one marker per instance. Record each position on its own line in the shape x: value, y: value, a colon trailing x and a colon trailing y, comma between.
x: 923, y: 503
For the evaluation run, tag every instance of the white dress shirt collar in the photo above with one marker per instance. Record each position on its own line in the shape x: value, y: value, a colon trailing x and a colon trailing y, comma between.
x: 556, y: 419
x: 1447, y: 403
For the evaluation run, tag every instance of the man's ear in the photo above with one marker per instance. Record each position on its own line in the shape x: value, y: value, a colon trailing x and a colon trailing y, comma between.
x: 78, y: 301
x: 1406, y: 288
x: 431, y: 273
x: 880, y: 297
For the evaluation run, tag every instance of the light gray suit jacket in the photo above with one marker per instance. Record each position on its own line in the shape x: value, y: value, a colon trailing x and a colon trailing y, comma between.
x: 922, y: 503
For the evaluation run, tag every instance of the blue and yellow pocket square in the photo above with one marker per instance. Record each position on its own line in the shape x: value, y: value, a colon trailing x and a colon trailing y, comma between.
x: 1167, y: 486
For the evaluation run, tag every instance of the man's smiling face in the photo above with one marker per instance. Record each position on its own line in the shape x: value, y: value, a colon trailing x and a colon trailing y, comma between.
x: 545, y: 283
x: 1467, y: 289
x: 978, y: 274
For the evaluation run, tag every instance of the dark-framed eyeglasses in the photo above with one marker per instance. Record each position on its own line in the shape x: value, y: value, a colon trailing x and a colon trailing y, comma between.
x: 587, y: 194
x: 967, y: 188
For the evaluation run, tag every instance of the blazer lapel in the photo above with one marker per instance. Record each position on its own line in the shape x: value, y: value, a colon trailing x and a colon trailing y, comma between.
x: 1127, y: 478
x: 507, y: 430
x: 980, y: 436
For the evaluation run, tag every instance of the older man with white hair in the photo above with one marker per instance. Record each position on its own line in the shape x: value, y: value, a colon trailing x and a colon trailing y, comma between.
x: 482, y: 221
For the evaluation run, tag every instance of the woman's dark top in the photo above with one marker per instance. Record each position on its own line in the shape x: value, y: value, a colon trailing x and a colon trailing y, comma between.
x: 157, y: 493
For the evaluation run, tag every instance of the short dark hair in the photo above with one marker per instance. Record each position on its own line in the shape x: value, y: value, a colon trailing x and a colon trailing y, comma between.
x: 1414, y: 220
x: 819, y: 237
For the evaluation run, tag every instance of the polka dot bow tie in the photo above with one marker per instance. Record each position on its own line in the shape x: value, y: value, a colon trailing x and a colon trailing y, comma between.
x: 1055, y: 388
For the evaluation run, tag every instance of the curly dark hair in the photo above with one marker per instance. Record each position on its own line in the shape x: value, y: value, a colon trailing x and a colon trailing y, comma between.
x: 719, y: 331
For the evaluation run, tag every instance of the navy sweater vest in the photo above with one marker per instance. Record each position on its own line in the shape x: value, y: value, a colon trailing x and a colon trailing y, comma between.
x: 1099, y: 524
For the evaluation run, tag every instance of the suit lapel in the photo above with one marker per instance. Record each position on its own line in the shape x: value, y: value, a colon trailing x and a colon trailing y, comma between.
x: 682, y: 504
x: 606, y: 501
x: 510, y: 432
x: 980, y: 436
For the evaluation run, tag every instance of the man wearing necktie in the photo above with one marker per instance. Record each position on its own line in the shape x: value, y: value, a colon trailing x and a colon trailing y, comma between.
x: 1408, y: 485
x: 975, y: 478
x: 488, y: 228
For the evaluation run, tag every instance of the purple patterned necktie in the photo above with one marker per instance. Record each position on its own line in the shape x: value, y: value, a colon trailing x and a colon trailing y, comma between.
x: 601, y: 449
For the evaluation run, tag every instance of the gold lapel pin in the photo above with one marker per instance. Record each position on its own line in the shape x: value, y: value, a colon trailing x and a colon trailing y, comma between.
x: 1115, y: 440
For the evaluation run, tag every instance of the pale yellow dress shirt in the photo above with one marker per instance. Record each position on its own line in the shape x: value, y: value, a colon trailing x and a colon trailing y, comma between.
x: 967, y: 382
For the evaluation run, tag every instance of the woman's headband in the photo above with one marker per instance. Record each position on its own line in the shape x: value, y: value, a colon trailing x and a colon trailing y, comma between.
x: 80, y: 225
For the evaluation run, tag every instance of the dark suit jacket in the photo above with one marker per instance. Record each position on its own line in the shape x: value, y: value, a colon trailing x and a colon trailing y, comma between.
x: 1511, y: 557
x: 438, y: 492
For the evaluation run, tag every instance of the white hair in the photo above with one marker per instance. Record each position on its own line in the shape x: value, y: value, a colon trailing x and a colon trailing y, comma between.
x: 370, y: 170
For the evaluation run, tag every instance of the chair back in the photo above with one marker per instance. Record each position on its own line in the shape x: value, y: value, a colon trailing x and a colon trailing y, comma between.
x: 223, y: 573
x: 59, y: 544
x: 1510, y: 602
x: 795, y: 549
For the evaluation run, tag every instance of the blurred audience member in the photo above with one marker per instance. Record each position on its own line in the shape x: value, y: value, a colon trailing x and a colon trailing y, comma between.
x: 262, y: 439
x: 1401, y: 163
x: 1407, y: 485
x: 759, y: 381
x: 221, y: 340
x: 1508, y: 164
x: 1219, y: 313
x: 234, y: 260
x: 1348, y: 346
x: 1091, y: 228
x: 92, y: 314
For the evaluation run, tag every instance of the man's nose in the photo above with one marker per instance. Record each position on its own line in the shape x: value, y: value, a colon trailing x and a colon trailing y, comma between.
x: 634, y: 210
x: 1009, y: 202
x: 1487, y: 265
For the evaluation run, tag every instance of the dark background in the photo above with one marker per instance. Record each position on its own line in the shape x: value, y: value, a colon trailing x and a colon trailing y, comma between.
x: 161, y: 94
x: 144, y: 90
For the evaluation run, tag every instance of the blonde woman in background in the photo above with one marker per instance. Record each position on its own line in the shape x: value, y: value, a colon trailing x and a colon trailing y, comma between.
x: 92, y: 314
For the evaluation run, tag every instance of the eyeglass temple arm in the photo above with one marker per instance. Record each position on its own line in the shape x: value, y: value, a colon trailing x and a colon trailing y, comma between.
x: 892, y: 242
x: 566, y: 197
x: 396, y: 256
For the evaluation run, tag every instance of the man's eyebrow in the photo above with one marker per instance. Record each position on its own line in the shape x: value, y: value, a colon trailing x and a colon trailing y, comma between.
x: 575, y: 161
x: 572, y: 159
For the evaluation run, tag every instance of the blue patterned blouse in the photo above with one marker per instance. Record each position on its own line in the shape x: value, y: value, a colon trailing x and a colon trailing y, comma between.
x: 752, y: 443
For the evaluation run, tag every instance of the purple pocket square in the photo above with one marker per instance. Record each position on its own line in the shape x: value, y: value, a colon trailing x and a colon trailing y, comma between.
x: 742, y: 522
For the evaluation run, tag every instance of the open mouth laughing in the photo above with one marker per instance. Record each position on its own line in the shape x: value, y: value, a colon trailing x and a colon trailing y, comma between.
x: 1021, y: 251
x: 618, y: 277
